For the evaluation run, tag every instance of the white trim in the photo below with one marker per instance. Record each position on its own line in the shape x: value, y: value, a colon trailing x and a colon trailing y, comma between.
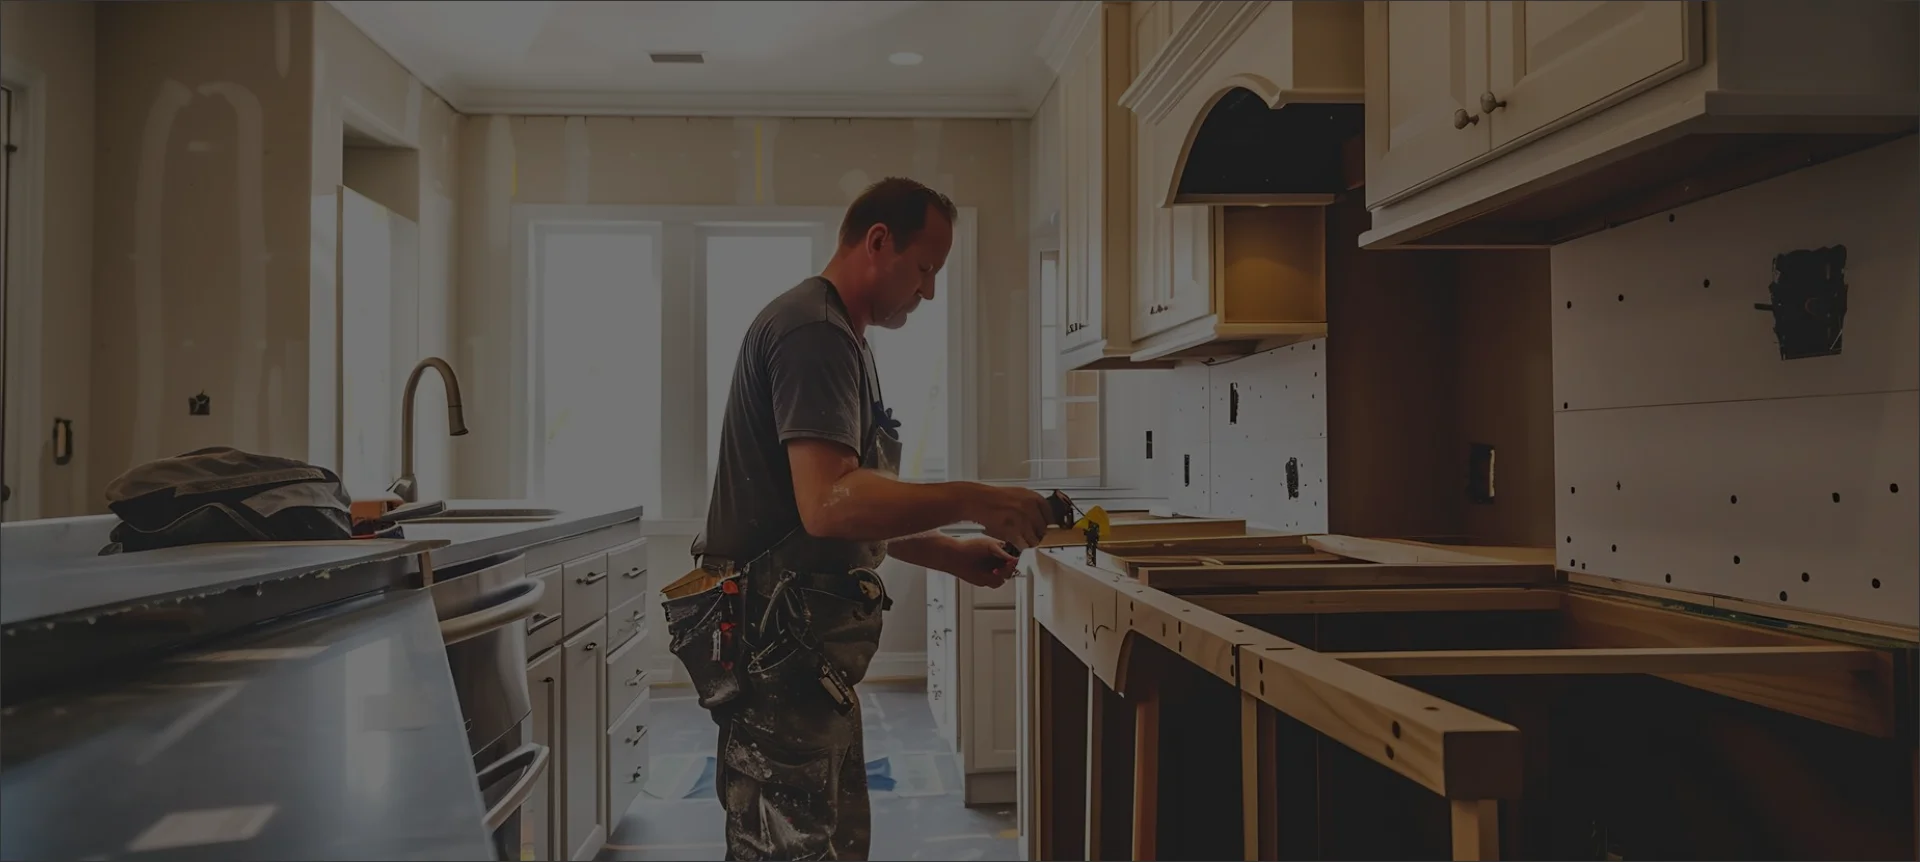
x: 1070, y: 20
x: 897, y: 665
x: 1187, y: 56
x: 963, y: 372
x: 26, y: 241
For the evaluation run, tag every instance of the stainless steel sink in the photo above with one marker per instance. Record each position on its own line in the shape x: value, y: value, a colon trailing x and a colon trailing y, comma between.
x: 487, y: 512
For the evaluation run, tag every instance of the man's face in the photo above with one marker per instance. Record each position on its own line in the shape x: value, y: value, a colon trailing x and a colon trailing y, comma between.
x: 905, y: 277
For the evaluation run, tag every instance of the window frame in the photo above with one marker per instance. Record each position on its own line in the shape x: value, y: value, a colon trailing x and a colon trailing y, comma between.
x: 1042, y: 245
x: 683, y: 301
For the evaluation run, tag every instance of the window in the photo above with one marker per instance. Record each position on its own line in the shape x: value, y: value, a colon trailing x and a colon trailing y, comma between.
x: 597, y: 427
x: 913, y: 380
x: 637, y: 317
x: 743, y: 269
x: 1066, y: 434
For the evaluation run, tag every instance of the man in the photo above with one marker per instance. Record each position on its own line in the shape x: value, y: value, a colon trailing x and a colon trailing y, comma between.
x: 806, y: 503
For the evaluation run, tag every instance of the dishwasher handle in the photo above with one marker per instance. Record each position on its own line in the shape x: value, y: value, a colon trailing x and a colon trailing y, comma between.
x: 533, y: 757
x: 522, y: 598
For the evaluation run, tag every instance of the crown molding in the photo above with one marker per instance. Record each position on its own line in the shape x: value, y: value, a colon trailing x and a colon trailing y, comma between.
x: 1070, y: 20
x: 999, y: 106
x: 1188, y: 56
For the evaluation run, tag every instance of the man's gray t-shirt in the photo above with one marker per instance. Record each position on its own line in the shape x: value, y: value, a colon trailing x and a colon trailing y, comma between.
x: 801, y: 372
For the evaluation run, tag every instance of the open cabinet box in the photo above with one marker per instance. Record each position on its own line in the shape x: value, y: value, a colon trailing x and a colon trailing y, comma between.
x: 1417, y: 700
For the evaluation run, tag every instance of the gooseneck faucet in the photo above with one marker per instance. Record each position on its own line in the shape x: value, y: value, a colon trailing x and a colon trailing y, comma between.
x: 405, y: 487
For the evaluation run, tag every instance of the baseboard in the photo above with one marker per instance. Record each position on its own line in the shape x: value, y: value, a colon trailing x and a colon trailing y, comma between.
x: 897, y: 667
x: 900, y: 666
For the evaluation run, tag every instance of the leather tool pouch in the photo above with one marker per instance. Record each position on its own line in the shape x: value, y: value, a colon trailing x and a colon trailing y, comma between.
x: 705, y: 614
x: 819, y: 630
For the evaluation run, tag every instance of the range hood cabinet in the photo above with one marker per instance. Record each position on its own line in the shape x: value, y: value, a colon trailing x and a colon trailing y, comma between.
x: 1256, y: 104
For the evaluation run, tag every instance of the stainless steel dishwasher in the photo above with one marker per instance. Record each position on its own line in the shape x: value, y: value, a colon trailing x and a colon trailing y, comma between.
x: 481, y: 607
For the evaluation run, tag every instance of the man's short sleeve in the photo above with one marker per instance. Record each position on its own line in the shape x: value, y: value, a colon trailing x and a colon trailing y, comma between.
x: 816, y: 372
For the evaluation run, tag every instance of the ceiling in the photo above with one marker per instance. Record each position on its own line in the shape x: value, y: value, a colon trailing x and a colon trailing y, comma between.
x: 980, y: 58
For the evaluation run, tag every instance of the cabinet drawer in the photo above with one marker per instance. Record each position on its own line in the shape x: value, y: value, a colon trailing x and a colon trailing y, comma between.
x: 628, y: 565
x: 584, y: 583
x: 544, y: 627
x: 627, y: 746
x: 627, y: 620
x: 626, y: 676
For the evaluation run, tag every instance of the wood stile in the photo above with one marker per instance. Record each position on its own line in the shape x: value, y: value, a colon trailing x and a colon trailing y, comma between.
x: 1136, y: 630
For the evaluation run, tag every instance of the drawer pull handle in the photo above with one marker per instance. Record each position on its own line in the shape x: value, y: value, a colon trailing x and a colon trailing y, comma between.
x: 638, y: 615
x: 591, y: 646
x: 541, y: 621
x: 590, y: 578
x: 633, y: 573
x: 633, y: 740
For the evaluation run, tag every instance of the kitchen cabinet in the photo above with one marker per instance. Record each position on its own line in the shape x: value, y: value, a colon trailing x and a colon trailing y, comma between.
x: 590, y: 690
x: 1214, y: 84
x: 582, y: 745
x: 971, y: 675
x: 1533, y: 123
x: 1462, y: 79
x: 538, y: 820
x: 1096, y: 211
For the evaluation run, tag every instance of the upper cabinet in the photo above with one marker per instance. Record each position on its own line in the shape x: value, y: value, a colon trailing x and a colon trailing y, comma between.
x: 1532, y: 123
x: 1246, y: 121
x: 1096, y: 219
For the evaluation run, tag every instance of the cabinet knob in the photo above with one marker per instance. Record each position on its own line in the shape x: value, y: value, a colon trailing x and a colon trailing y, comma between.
x: 1462, y: 119
x: 1488, y: 104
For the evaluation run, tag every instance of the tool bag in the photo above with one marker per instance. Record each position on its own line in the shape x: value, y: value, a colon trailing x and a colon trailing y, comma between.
x: 705, y: 610
x: 220, y: 494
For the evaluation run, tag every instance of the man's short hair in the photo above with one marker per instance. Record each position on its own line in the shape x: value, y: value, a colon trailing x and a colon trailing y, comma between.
x: 899, y: 203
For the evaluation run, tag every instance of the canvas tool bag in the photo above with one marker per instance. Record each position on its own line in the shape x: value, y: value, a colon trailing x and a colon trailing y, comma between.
x: 220, y: 494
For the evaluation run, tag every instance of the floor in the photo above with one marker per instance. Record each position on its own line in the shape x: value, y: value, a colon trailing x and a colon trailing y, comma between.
x: 917, y: 810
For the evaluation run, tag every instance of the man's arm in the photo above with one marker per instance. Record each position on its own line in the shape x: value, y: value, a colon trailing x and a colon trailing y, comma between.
x: 818, y: 406
x: 931, y: 550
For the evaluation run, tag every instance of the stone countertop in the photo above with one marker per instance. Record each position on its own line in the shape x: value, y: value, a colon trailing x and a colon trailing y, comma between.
x: 71, y: 581
x: 472, y: 541
x: 334, y: 736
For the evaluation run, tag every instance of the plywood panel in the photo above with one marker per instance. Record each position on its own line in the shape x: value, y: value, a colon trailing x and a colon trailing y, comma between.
x: 1280, y: 416
x: 1188, y: 444
x: 1661, y: 311
x: 1809, y: 502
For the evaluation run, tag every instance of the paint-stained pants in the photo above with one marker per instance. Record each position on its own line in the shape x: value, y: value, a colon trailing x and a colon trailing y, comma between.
x: 792, y: 776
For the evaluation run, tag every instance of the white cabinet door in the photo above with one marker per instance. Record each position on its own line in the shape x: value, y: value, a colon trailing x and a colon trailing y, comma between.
x: 1152, y: 223
x: 583, y: 741
x: 1081, y: 92
x: 1426, y: 69
x: 1190, y: 266
x: 1552, y: 61
x: 992, y: 729
x: 537, y: 819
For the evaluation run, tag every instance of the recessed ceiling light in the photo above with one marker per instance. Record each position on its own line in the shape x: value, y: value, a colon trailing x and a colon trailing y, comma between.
x: 687, y: 57
x: 905, y: 58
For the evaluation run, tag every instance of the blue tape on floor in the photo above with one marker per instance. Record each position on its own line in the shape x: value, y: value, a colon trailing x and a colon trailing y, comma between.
x: 879, y: 778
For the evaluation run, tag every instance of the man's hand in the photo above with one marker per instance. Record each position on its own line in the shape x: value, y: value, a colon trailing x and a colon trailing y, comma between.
x: 1019, y: 516
x: 982, y: 562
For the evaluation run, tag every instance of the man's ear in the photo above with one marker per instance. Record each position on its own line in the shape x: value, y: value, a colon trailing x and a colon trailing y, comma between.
x: 877, y: 238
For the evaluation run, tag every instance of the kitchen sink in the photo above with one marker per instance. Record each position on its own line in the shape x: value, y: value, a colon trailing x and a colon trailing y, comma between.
x: 482, y: 512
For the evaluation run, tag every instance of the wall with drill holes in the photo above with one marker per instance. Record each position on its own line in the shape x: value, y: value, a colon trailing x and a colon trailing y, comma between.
x: 1689, y: 454
x: 1233, y: 429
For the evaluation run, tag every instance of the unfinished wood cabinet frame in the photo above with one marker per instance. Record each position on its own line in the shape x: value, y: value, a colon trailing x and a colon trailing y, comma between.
x: 1100, y: 612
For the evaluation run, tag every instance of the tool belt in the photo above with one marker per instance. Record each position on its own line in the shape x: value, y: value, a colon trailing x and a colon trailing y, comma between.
x: 738, y: 631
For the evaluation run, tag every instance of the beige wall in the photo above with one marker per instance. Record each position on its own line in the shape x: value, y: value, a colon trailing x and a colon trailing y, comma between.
x: 51, y: 44
x: 359, y: 89
x: 200, y: 239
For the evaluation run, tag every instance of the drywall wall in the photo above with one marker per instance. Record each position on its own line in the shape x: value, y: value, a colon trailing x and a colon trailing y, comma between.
x: 201, y: 240
x: 49, y: 48
x: 1690, y: 454
x: 406, y: 157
